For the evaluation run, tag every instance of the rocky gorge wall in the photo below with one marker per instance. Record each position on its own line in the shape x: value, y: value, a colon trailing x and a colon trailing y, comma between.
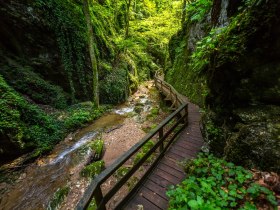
x: 229, y: 57
x: 30, y: 49
x: 38, y: 66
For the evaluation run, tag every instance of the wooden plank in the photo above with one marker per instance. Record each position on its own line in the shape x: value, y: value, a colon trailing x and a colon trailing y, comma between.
x: 160, y: 181
x: 169, y: 177
x: 180, y: 153
x: 138, y: 201
x: 189, y: 142
x: 170, y: 170
x: 187, y: 150
x: 174, y: 164
x: 153, y: 198
x: 178, y: 157
x: 156, y: 188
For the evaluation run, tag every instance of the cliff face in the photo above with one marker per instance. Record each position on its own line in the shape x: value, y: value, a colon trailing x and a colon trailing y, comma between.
x: 38, y: 65
x: 231, y: 66
x: 30, y: 48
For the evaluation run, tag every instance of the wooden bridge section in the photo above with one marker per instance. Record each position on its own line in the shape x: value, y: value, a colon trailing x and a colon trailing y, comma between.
x: 175, y: 139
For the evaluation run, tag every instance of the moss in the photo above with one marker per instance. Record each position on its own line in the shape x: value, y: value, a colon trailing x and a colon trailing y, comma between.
x: 80, y: 114
x: 143, y: 152
x: 113, y: 89
x: 26, y: 125
x: 92, y: 205
x: 58, y: 197
x: 24, y: 80
x: 93, y: 169
x: 121, y: 172
x: 97, y: 146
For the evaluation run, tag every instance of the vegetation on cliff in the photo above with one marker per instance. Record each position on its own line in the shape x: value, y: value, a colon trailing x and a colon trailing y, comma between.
x: 61, y: 58
x: 227, y: 54
x: 50, y: 67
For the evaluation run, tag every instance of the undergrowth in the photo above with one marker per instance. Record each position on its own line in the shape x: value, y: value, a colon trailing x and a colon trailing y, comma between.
x: 29, y: 127
x: 213, y: 184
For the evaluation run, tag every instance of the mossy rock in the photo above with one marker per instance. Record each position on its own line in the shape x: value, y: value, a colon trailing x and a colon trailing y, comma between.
x: 97, y: 147
x: 256, y: 141
x: 256, y: 145
x: 93, y: 169
x: 138, y: 109
x: 250, y: 137
x: 58, y: 197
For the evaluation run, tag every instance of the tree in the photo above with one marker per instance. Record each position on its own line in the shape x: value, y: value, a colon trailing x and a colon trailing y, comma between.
x: 93, y: 59
x: 127, y: 17
x: 184, y: 12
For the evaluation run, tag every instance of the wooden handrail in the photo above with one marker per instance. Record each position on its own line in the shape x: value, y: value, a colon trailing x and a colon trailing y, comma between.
x: 164, y: 86
x: 164, y: 141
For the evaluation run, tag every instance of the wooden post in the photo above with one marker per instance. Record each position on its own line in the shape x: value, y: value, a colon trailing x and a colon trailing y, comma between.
x: 98, y: 198
x: 170, y: 93
x: 160, y: 135
x: 186, y: 114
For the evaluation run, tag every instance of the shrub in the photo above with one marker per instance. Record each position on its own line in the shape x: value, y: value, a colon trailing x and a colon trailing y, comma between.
x: 27, y: 82
x: 213, y: 183
x: 80, y: 114
x: 113, y: 88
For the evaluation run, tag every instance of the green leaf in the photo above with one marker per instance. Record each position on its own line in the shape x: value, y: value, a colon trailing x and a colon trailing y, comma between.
x: 193, y: 204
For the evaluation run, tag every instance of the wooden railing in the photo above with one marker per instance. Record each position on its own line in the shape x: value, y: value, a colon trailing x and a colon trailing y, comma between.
x: 163, y: 136
x: 169, y: 91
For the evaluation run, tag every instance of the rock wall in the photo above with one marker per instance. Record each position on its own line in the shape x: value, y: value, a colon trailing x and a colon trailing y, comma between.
x: 28, y: 42
x: 238, y: 84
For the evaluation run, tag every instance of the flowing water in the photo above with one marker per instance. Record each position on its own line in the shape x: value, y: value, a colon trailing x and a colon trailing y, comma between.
x: 37, y: 184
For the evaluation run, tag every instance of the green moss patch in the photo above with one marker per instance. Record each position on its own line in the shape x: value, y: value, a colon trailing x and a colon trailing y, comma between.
x: 93, y: 169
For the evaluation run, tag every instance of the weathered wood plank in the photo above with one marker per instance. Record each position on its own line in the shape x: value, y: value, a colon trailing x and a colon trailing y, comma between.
x: 160, y: 181
x: 138, y: 202
x: 170, y: 170
x: 161, y: 191
x: 153, y: 198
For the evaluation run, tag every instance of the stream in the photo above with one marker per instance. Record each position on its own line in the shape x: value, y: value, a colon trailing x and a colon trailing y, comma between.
x: 39, y: 181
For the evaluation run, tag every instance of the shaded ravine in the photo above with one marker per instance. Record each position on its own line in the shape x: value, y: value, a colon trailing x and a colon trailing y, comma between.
x: 37, y: 184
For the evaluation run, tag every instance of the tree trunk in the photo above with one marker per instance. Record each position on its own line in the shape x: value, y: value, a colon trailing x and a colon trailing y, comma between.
x: 128, y: 3
x: 184, y: 12
x: 93, y: 59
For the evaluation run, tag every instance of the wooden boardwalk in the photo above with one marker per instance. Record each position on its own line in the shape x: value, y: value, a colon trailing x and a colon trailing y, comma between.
x: 149, y: 193
x: 152, y: 193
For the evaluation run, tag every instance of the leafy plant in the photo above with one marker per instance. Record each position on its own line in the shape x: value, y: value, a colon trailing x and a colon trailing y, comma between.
x: 213, y: 183
x: 198, y: 9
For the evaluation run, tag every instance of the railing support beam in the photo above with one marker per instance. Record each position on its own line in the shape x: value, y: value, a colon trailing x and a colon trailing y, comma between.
x: 160, y: 136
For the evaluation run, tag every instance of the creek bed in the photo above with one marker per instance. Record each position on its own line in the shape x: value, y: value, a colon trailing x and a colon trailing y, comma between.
x: 120, y: 129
